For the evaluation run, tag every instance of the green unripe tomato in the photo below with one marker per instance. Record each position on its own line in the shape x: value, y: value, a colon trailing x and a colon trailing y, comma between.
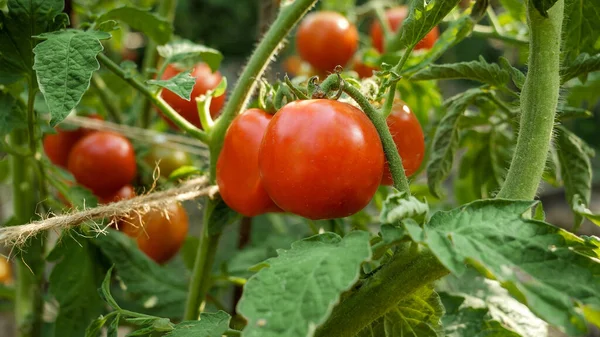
x: 168, y: 159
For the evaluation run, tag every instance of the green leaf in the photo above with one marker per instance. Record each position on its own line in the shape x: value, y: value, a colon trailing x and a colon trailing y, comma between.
x: 551, y: 172
x: 12, y: 114
x: 155, y: 27
x: 184, y: 172
x: 398, y: 207
x: 64, y: 64
x: 569, y: 112
x: 180, y: 84
x: 93, y: 330
x: 543, y: 6
x: 575, y: 168
x: 75, y: 289
x: 296, y: 291
x: 107, y: 26
x: 209, y: 325
x: 220, y: 215
x: 581, y: 209
x: 155, y: 289
x: 105, y: 290
x: 188, y: 54
x: 422, y: 17
x: 445, y: 141
x: 580, y: 33
x: 489, y: 73
x: 517, y: 76
x: 25, y: 18
x: 516, y: 8
x: 524, y: 255
x: 462, y: 320
x: 113, y: 328
x: 582, y: 65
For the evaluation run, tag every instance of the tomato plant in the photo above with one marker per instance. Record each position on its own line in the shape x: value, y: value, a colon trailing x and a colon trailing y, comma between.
x: 315, y: 204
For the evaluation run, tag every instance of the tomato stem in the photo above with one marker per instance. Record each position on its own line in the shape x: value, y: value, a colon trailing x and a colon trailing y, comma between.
x: 487, y: 32
x: 539, y: 99
x: 181, y: 122
x: 203, y: 104
x: 386, y: 110
x: 105, y: 97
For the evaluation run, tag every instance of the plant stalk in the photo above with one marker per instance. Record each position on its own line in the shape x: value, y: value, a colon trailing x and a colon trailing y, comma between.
x: 539, y: 99
x: 106, y: 99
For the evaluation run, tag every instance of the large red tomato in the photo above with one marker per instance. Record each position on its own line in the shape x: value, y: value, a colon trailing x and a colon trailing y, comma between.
x: 395, y: 16
x: 326, y: 39
x: 205, y: 80
x: 238, y: 177
x: 321, y: 159
x: 159, y: 233
x: 58, y: 146
x: 408, y: 136
x: 103, y: 162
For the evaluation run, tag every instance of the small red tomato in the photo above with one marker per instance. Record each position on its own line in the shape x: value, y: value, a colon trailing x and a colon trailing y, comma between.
x: 58, y: 146
x: 125, y: 192
x: 395, y: 16
x: 321, y: 159
x: 238, y: 177
x: 159, y: 233
x: 103, y: 162
x: 295, y: 66
x: 205, y: 80
x: 326, y: 40
x: 362, y: 69
x: 408, y: 136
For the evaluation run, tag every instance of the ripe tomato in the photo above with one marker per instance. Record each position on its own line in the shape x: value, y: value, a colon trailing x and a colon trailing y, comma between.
x: 295, y: 66
x: 5, y: 271
x: 159, y: 233
x: 326, y: 39
x: 103, y: 162
x: 168, y: 159
x: 395, y: 16
x: 58, y: 146
x: 238, y: 177
x: 408, y: 136
x: 321, y: 159
x: 362, y: 69
x: 205, y: 80
x: 125, y: 192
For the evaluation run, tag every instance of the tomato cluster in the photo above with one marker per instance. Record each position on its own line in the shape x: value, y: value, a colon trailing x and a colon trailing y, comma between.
x: 317, y: 158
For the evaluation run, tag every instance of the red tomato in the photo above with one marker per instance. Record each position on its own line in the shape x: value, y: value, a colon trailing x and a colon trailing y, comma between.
x: 395, y: 16
x: 321, y: 159
x: 408, y: 136
x: 103, y: 162
x: 125, y: 192
x: 205, y: 80
x: 362, y: 69
x: 5, y: 271
x: 326, y: 39
x: 159, y: 233
x: 295, y: 66
x: 58, y: 146
x: 238, y: 177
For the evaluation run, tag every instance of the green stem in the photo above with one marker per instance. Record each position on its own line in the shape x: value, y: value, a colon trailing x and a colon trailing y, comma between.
x: 539, y: 99
x: 383, y: 22
x: 389, y: 101
x: 166, y: 9
x: 288, y: 17
x: 106, y: 98
x: 201, y: 276
x: 156, y: 100
x: 396, y: 280
x: 494, y: 20
x: 486, y: 32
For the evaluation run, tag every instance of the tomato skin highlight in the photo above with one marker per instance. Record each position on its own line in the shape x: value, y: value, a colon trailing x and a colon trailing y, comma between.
x: 326, y: 39
x: 321, y: 159
x: 103, y: 162
x: 408, y: 137
x: 205, y: 80
x: 238, y: 177
x: 395, y: 16
x: 159, y: 233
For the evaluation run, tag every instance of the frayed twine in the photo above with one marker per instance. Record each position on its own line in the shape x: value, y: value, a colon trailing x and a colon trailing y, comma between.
x: 17, y: 236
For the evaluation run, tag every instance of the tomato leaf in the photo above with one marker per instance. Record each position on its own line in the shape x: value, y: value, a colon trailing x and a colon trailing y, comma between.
x: 113, y: 328
x: 209, y: 325
x: 524, y: 255
x: 12, y: 114
x: 188, y: 54
x: 94, y: 329
x: 462, y: 319
x: 180, y: 84
x: 291, y: 301
x: 580, y: 34
x: 422, y: 17
x: 397, y: 208
x: 576, y: 169
x: 105, y: 290
x: 219, y: 215
x: 569, y: 112
x: 155, y: 290
x: 155, y: 27
x: 416, y: 316
x: 581, y: 209
x: 582, y: 65
x: 482, y: 71
x: 75, y: 289
x: 516, y: 8
x: 517, y: 76
x: 543, y: 6
x: 24, y: 19
x: 64, y: 64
